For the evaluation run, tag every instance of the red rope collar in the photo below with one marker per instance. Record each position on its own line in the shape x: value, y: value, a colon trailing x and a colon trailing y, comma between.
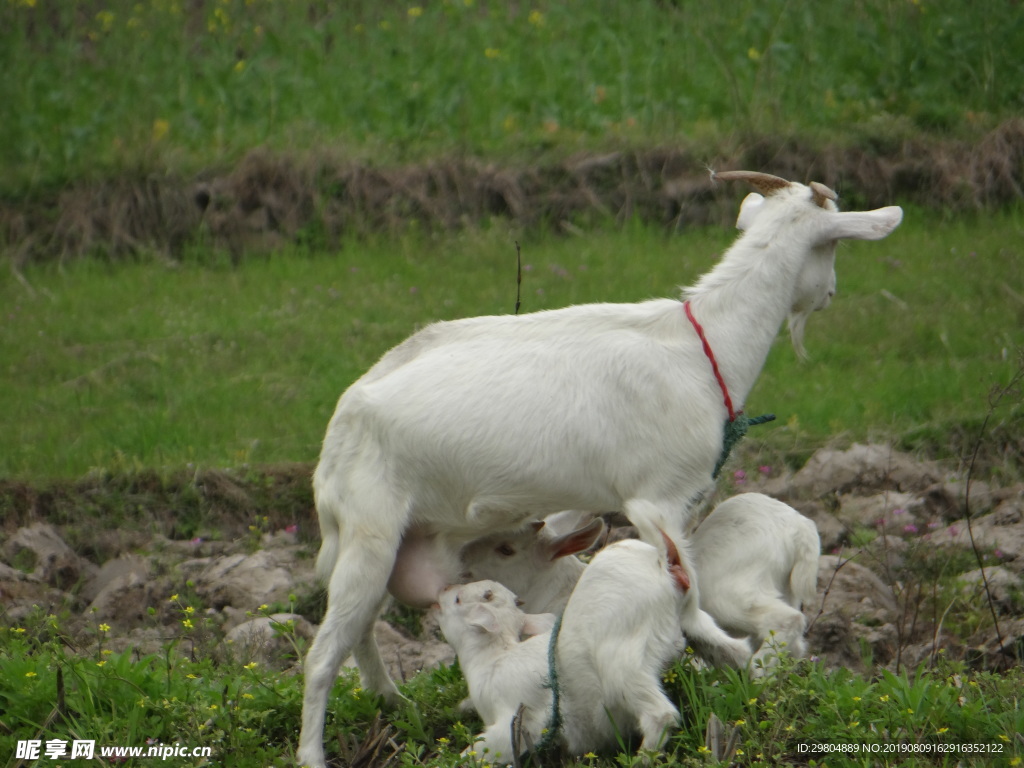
x: 714, y: 363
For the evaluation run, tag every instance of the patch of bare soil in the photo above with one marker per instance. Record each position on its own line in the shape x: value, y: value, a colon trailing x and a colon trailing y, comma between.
x: 914, y: 563
x: 270, y: 200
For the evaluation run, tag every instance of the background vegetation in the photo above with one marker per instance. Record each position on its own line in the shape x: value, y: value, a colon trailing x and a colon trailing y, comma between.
x: 192, y: 358
x: 92, y: 87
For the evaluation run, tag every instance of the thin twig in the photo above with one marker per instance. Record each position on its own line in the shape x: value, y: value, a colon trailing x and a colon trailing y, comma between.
x: 519, y: 275
x: 996, y: 396
x: 828, y: 588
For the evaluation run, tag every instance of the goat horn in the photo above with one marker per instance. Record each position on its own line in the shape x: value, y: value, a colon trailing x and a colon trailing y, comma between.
x: 764, y: 183
x: 822, y: 193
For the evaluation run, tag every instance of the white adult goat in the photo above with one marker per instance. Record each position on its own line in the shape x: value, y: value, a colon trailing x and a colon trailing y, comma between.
x: 537, y: 563
x: 757, y: 559
x: 470, y: 426
x: 620, y: 628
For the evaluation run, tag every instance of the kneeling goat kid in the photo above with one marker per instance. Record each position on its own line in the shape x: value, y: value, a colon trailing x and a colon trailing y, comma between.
x: 757, y: 559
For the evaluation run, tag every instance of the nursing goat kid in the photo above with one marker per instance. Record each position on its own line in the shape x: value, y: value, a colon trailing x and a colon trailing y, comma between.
x: 474, y: 426
x: 484, y: 623
x: 538, y: 563
x: 621, y: 627
x: 758, y: 562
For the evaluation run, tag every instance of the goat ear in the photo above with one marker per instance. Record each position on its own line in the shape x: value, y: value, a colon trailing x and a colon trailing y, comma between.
x: 823, y: 195
x: 576, y: 541
x: 538, y: 623
x: 482, y: 618
x: 863, y: 225
x: 749, y: 208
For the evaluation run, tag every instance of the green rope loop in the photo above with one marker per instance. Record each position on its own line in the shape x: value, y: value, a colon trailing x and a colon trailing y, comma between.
x: 555, y: 724
x: 734, y: 432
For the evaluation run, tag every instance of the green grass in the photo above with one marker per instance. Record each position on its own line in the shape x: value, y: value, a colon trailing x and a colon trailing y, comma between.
x: 93, y: 88
x: 145, y: 365
x: 246, y: 713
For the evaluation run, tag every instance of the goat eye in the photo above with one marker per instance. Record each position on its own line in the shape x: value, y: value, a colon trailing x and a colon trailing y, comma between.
x: 505, y: 550
x: 488, y: 596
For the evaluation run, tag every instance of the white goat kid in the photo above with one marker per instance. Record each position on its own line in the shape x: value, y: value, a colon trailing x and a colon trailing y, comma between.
x: 621, y: 627
x: 537, y: 563
x: 483, y: 623
x: 472, y: 426
x: 758, y: 562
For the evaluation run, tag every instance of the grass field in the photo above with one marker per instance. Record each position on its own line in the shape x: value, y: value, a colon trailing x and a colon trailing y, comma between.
x: 93, y: 88
x: 146, y: 365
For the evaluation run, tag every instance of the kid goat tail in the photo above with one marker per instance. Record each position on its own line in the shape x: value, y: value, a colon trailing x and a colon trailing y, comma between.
x: 803, y: 579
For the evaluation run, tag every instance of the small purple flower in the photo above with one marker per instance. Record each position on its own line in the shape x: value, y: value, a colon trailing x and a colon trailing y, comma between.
x: 765, y: 470
x: 739, y: 477
x: 815, y: 658
x: 196, y: 541
x: 910, y: 528
x: 293, y: 528
x: 898, y: 511
x: 999, y: 553
x: 933, y: 525
x: 953, y: 530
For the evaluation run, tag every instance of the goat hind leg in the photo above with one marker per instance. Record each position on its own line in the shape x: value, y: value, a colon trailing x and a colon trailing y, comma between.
x: 655, y: 715
x: 710, y: 641
x: 355, y: 593
x: 782, y: 628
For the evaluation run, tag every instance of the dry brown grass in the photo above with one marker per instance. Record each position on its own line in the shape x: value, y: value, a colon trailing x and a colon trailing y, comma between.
x: 270, y: 200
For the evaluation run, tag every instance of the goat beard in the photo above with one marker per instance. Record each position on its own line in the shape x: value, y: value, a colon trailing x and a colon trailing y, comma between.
x: 797, y: 324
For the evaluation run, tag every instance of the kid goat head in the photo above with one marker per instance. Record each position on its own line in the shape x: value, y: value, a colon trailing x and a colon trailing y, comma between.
x: 477, y: 425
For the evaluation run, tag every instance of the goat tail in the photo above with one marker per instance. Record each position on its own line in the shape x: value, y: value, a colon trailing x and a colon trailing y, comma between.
x: 803, y: 579
x: 330, y: 529
x: 328, y: 556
